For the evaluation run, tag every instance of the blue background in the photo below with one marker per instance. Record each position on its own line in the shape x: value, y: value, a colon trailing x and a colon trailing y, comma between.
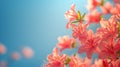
x: 33, y: 23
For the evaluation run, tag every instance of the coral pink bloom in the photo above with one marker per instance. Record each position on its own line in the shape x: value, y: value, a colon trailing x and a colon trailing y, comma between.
x: 65, y: 42
x: 108, y: 28
x: 56, y: 60
x: 92, y: 4
x: 118, y: 16
x: 116, y: 9
x: 118, y: 6
x: 98, y: 63
x: 116, y: 1
x: 106, y: 8
x: 105, y: 63
x: 116, y: 63
x: 90, y: 45
x: 79, y: 31
x: 15, y: 56
x: 27, y: 52
x: 78, y: 62
x: 93, y: 17
x: 71, y: 15
x: 3, y: 64
x: 2, y: 49
x: 109, y: 49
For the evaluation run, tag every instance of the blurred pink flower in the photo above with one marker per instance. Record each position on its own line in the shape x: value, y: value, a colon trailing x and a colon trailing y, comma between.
x: 3, y: 64
x: 93, y: 17
x: 117, y: 1
x: 108, y: 29
x: 109, y: 8
x: 98, y: 63
x: 71, y: 15
x: 27, y: 52
x: 109, y: 49
x: 2, y: 49
x: 105, y: 63
x: 106, y: 8
x: 78, y: 62
x: 80, y: 31
x: 15, y: 56
x: 116, y: 63
x: 56, y: 60
x: 90, y: 45
x: 92, y: 4
x: 65, y: 42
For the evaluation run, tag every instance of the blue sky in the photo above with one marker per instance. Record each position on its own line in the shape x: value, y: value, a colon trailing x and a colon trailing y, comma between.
x: 33, y: 23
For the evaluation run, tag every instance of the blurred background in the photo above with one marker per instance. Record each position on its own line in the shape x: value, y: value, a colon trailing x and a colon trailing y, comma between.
x: 33, y: 23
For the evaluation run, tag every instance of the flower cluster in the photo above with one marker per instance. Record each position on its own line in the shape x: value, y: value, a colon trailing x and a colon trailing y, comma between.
x: 105, y: 41
x: 26, y: 52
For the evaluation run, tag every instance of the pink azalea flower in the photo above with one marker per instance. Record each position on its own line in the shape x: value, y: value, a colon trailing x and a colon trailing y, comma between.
x: 15, y: 56
x: 118, y: 6
x: 80, y: 31
x: 116, y: 63
x: 109, y: 49
x: 93, y: 17
x: 108, y: 29
x: 90, y: 45
x: 2, y: 49
x: 27, y: 52
x: 71, y: 15
x: 92, y: 4
x: 56, y: 60
x: 116, y: 1
x: 65, y: 42
x: 78, y: 62
x: 98, y: 63
x: 105, y: 63
x: 3, y: 64
x: 118, y: 16
x: 116, y: 10
x: 106, y: 8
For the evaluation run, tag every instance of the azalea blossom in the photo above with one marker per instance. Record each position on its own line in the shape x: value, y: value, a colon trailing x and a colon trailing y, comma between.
x: 108, y: 28
x: 3, y: 64
x: 105, y: 41
x: 98, y: 63
x: 80, y: 31
x: 71, y: 15
x: 78, y: 62
x: 106, y: 8
x: 65, y: 42
x: 15, y: 56
x: 109, y: 50
x: 90, y: 45
x: 93, y: 17
x: 27, y: 52
x: 116, y: 63
x: 116, y: 1
x: 56, y: 60
x: 2, y: 49
x: 92, y: 4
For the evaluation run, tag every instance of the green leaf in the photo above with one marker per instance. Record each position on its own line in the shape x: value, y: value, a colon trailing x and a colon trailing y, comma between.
x: 118, y: 35
x: 74, y: 54
x: 119, y: 26
x: 102, y: 2
x: 118, y: 53
x: 83, y: 16
x: 79, y: 15
x: 74, y: 45
x: 75, y: 21
x: 67, y: 60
